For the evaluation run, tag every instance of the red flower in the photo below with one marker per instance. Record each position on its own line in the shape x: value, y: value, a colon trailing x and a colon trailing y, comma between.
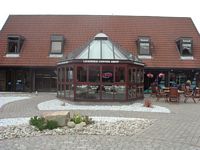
x: 150, y: 75
x: 161, y: 75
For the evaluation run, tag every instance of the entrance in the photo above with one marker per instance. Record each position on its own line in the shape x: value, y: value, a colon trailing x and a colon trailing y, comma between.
x: 15, y: 80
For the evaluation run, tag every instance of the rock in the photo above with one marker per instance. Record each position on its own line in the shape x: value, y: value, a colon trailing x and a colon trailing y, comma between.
x: 71, y: 124
x: 80, y: 126
x: 83, y: 124
x: 58, y: 130
x: 122, y: 128
x: 62, y: 117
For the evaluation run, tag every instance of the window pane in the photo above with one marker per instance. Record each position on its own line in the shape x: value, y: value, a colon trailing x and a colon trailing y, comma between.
x: 107, y: 92
x: 94, y: 73
x: 83, y: 54
x: 107, y: 74
x: 118, y: 54
x: 93, y: 92
x: 141, y: 76
x: 66, y: 74
x: 67, y: 91
x: 144, y: 49
x: 107, y: 50
x: 137, y: 76
x: 81, y: 92
x: 119, y: 74
x: 131, y: 92
x: 70, y: 74
x: 140, y: 91
x: 56, y: 47
x: 63, y: 74
x: 95, y: 50
x: 14, y: 44
x: 87, y: 92
x: 59, y: 90
x: 133, y: 76
x: 120, y: 92
x: 186, y: 49
x: 81, y: 74
x: 59, y: 74
x: 71, y: 95
x: 62, y: 90
x: 130, y: 75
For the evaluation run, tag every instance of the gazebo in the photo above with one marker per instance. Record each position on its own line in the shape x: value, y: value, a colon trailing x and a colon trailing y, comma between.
x: 101, y: 71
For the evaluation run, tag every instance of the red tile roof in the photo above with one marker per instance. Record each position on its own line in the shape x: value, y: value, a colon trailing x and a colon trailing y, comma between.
x: 78, y: 30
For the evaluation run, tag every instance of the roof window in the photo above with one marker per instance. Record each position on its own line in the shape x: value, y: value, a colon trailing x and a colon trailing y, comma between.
x: 57, y: 44
x: 15, y: 43
x: 144, y: 46
x: 184, y: 46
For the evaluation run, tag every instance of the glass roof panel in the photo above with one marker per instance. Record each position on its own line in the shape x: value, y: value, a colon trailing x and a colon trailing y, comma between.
x: 118, y: 54
x: 83, y: 54
x: 101, y: 47
x: 95, y: 50
x: 107, y: 50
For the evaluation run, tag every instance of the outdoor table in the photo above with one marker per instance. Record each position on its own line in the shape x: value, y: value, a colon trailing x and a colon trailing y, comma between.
x: 167, y: 91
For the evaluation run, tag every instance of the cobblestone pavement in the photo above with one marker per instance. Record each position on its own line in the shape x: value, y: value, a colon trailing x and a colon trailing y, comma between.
x: 178, y: 130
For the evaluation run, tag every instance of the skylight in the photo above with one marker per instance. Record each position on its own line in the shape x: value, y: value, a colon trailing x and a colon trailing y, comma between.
x: 101, y: 48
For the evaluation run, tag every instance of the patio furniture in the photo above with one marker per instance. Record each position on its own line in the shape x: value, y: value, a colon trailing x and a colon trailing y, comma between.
x: 174, y: 94
x: 158, y: 93
x: 196, y: 94
x: 154, y: 90
x: 189, y: 94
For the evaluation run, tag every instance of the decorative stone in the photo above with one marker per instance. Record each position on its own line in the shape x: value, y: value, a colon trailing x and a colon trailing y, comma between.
x: 80, y: 126
x: 122, y: 128
x: 83, y: 124
x: 71, y: 124
x: 62, y: 117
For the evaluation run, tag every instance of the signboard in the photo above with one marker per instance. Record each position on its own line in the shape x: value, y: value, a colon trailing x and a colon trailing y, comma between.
x: 107, y: 75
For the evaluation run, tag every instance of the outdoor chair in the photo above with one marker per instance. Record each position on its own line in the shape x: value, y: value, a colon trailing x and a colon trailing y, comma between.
x: 154, y: 90
x: 196, y: 94
x: 189, y: 94
x: 174, y: 95
x: 158, y: 93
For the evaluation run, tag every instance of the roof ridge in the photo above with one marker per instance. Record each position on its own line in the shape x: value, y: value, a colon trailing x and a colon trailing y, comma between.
x: 78, y: 15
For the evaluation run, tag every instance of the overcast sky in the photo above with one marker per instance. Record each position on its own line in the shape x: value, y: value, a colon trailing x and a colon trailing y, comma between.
x: 174, y: 8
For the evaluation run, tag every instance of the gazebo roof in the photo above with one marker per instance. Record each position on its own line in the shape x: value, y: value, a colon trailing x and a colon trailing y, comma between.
x: 102, y: 48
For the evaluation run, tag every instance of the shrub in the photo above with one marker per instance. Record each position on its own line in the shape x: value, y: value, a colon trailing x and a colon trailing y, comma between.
x: 41, y: 124
x: 87, y: 120
x: 51, y: 124
x: 38, y: 122
x: 77, y: 118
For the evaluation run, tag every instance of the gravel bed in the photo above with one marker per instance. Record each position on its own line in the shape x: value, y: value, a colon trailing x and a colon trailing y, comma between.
x: 123, y: 128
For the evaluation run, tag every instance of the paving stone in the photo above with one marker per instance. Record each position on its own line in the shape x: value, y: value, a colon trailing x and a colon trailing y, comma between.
x: 178, y: 130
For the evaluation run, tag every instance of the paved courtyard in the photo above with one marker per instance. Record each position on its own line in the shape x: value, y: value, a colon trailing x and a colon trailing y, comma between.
x: 179, y: 129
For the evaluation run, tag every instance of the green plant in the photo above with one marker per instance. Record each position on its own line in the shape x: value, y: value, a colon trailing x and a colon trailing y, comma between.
x: 38, y: 122
x: 51, y: 124
x: 87, y: 120
x: 77, y: 118
x: 41, y: 124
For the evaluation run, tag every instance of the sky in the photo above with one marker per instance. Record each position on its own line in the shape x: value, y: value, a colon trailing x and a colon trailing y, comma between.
x: 170, y: 8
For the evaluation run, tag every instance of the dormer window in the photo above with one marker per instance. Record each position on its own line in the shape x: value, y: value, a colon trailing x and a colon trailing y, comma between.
x: 184, y: 46
x: 15, y: 43
x: 57, y: 42
x: 144, y: 45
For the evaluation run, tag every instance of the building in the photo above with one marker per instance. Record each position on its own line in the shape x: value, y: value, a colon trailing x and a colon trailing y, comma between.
x: 100, y: 71
x: 32, y: 45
